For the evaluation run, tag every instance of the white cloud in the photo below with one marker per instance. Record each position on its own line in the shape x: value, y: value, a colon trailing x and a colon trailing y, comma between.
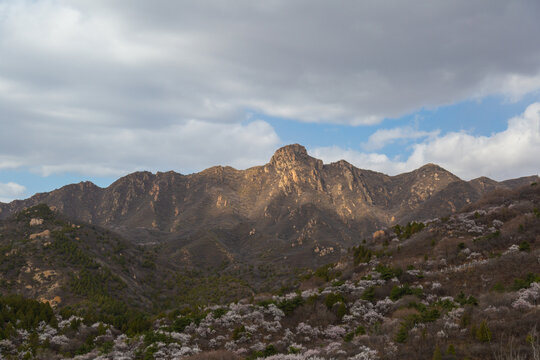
x: 383, y: 137
x: 11, y: 191
x: 507, y: 154
x: 100, y: 151
x: 369, y: 161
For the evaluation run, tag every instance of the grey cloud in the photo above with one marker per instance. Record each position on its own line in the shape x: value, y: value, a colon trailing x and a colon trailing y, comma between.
x: 210, y: 59
x: 94, y: 66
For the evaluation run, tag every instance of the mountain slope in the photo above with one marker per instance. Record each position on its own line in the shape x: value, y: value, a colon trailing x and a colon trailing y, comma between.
x: 462, y: 286
x: 295, y: 206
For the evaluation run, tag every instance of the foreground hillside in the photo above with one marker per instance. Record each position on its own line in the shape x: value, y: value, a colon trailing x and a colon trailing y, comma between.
x: 45, y: 256
x: 465, y: 286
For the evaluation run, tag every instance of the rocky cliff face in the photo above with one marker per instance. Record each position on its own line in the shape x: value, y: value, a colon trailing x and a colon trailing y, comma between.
x: 294, y: 207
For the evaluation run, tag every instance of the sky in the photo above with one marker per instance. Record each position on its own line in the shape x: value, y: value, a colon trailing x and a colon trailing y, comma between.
x: 96, y: 89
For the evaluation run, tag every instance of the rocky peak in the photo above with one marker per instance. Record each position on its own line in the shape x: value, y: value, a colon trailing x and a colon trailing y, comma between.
x: 137, y: 177
x: 434, y: 170
x: 292, y: 156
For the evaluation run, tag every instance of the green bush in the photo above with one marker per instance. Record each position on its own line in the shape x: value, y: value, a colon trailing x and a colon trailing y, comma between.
x: 360, y: 330
x: 369, y: 294
x: 426, y: 314
x: 402, y: 334
x: 324, y: 272
x: 219, y: 312
x: 526, y: 282
x: 288, y: 306
x: 464, y: 300
x: 341, y: 311
x: 17, y: 312
x: 361, y: 255
x: 405, y: 232
x: 387, y: 272
x: 268, y: 351
x: 238, y: 332
x: 39, y: 211
x: 293, y: 350
x: 398, y: 292
x: 333, y: 298
x: 525, y: 246
x: 483, y: 333
x: 437, y: 355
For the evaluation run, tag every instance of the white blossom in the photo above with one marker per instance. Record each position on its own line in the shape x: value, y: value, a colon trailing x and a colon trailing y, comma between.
x: 365, y: 353
x: 527, y: 298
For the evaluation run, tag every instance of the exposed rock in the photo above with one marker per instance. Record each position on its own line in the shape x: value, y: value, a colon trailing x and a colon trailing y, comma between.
x: 44, y: 234
x: 36, y: 222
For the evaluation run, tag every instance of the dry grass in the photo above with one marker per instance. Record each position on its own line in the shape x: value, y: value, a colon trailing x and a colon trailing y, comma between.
x: 215, y: 355
x: 403, y: 313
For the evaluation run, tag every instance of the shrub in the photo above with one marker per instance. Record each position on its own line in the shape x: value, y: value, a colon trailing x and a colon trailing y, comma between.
x: 427, y: 314
x: 288, y: 306
x: 333, y: 298
x: 437, y: 355
x: 219, y: 312
x: 268, y: 351
x: 341, y: 311
x: 402, y: 334
x: 293, y: 350
x: 39, y: 211
x: 526, y: 282
x: 387, y: 272
x: 19, y: 312
x: 525, y: 246
x: 324, y: 272
x: 369, y: 294
x: 360, y: 330
x: 483, y: 333
x: 464, y: 300
x: 405, y: 232
x: 398, y: 292
x: 361, y: 255
x: 238, y: 331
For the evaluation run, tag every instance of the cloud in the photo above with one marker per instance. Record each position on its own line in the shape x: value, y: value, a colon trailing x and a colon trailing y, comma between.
x: 100, y: 151
x: 507, y: 154
x: 11, y: 191
x: 380, y: 138
x: 309, y: 60
x: 100, y: 87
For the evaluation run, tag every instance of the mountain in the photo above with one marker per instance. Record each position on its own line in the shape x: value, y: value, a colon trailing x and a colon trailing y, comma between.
x: 294, y: 209
x: 455, y: 287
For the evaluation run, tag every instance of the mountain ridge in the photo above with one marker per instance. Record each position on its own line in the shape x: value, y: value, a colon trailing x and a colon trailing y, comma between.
x: 476, y: 269
x: 294, y: 201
